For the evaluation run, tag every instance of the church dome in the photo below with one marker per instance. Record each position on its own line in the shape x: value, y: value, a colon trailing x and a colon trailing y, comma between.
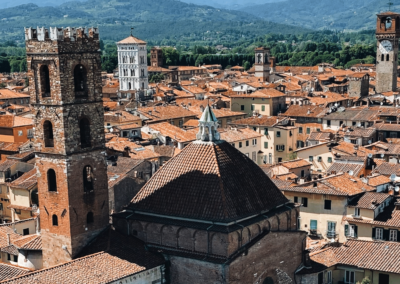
x: 209, y: 180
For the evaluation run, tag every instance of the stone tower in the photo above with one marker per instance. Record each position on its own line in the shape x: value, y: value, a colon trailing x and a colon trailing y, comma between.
x: 387, y: 35
x: 132, y: 64
x: 156, y: 57
x: 64, y: 70
x: 262, y: 64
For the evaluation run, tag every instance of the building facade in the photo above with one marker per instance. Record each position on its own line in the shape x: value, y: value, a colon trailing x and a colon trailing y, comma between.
x: 132, y: 64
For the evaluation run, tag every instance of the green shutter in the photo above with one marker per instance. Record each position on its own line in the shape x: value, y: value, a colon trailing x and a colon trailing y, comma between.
x: 266, y: 145
x: 346, y: 230
x: 355, y: 231
x: 262, y: 108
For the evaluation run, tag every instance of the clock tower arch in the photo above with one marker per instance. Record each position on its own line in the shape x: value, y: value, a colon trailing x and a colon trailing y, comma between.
x: 387, y: 35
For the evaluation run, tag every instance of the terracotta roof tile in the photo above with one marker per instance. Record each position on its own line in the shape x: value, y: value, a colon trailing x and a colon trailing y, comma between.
x: 209, y: 181
x: 8, y: 271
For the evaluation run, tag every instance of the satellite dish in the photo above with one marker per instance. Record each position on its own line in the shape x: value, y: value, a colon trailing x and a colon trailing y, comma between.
x: 382, y: 155
x: 393, y: 177
x: 370, y: 155
x: 396, y: 189
x: 381, y: 103
x: 336, y: 104
x: 369, y: 142
x: 351, y: 173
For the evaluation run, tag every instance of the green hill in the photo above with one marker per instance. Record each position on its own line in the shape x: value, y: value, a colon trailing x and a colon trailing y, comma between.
x: 323, y: 14
x: 153, y: 20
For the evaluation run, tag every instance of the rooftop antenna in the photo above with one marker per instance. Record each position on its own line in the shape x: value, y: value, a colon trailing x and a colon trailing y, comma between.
x: 390, y: 4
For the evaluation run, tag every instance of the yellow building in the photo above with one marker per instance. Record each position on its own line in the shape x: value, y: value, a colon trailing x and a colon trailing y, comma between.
x: 353, y: 262
x: 324, y: 204
x: 278, y: 140
x: 266, y: 102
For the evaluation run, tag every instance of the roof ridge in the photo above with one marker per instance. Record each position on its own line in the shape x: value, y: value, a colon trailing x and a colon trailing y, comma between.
x: 221, y: 183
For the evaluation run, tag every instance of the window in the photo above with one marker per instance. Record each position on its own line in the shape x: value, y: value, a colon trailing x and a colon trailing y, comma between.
x: 302, y: 173
x: 255, y: 128
x: 48, y: 134
x: 247, y: 143
x: 280, y: 148
x: 252, y: 107
x: 8, y: 256
x: 254, y: 142
x: 180, y: 123
x: 51, y: 180
x: 318, y: 130
x: 393, y: 235
x: 313, y: 225
x: 55, y: 220
x: 350, y: 231
x: 233, y: 144
x: 328, y: 123
x: 84, y: 128
x: 266, y: 145
x: 382, y: 57
x: 242, y: 107
x: 89, y: 218
x: 266, y: 131
x: 387, y: 57
x: 80, y: 80
x: 87, y: 179
x: 15, y: 258
x: 304, y: 201
x: 295, y: 199
x: 349, y: 277
x: 300, y: 130
x: 341, y: 123
x: 310, y: 158
x: 319, y: 159
x: 321, y: 278
x: 329, y: 159
x: 308, y: 130
x: 356, y: 212
x: 262, y: 108
x: 328, y: 204
x: 270, y: 158
x: 240, y: 144
x: 278, y: 134
x: 378, y: 233
x: 328, y: 277
x: 279, y: 160
x: 17, y: 211
x: 20, y: 132
x: 45, y: 81
x: 331, y: 233
x: 25, y: 231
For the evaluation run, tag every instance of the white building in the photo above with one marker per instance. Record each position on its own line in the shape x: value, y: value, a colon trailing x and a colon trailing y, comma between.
x: 132, y: 64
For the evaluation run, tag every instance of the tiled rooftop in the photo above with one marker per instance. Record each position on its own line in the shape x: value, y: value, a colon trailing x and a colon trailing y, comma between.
x: 209, y: 181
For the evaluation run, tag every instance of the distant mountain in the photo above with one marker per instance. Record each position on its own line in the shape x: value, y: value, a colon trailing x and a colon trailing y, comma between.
x: 230, y: 4
x: 323, y: 14
x: 9, y: 4
x: 152, y: 19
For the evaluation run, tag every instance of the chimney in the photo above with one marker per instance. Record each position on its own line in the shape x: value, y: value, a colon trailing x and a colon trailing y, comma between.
x: 8, y: 239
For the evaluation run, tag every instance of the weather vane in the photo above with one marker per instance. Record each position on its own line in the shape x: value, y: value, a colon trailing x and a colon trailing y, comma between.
x: 132, y: 31
x: 390, y: 5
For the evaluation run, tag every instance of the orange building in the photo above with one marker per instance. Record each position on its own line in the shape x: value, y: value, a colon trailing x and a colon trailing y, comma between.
x: 15, y: 129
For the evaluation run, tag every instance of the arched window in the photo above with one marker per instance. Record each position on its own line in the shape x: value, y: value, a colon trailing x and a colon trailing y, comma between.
x: 87, y: 179
x: 388, y: 22
x: 382, y: 57
x: 80, y: 80
x: 129, y: 86
x: 51, y: 180
x: 48, y: 134
x: 84, y: 128
x: 45, y: 81
x: 55, y: 220
x: 89, y: 218
x: 387, y: 57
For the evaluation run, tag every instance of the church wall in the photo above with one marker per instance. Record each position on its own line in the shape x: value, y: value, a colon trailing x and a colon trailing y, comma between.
x: 277, y: 255
x: 193, y: 271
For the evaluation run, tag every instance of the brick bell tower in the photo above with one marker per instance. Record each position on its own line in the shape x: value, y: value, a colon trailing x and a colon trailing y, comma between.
x: 387, y: 35
x: 262, y: 64
x: 64, y: 70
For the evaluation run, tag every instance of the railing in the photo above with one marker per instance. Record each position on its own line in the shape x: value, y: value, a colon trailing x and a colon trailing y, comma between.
x: 331, y: 234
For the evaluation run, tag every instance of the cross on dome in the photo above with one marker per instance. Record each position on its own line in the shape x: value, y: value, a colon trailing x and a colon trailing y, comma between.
x: 208, y: 125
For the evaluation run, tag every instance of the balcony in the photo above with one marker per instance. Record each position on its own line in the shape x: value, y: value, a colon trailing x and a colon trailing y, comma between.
x: 331, y: 234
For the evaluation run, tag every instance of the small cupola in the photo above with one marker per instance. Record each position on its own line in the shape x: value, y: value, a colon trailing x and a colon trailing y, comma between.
x: 208, y: 125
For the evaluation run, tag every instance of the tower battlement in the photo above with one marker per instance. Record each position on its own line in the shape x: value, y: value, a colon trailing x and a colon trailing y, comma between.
x: 61, y: 34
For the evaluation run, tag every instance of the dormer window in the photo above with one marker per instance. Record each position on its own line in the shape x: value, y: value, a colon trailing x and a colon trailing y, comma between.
x: 356, y: 212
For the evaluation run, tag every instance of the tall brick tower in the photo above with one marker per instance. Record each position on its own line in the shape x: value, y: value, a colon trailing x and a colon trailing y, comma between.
x: 156, y: 57
x: 65, y: 87
x: 262, y: 64
x: 387, y: 35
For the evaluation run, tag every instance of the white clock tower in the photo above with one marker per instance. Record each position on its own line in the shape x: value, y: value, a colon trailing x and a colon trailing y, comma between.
x: 132, y: 64
x: 387, y: 35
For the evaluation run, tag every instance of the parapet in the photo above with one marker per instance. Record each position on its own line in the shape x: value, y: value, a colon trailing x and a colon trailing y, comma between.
x: 61, y: 34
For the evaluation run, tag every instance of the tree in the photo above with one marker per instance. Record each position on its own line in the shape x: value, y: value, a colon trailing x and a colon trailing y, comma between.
x: 366, y: 280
